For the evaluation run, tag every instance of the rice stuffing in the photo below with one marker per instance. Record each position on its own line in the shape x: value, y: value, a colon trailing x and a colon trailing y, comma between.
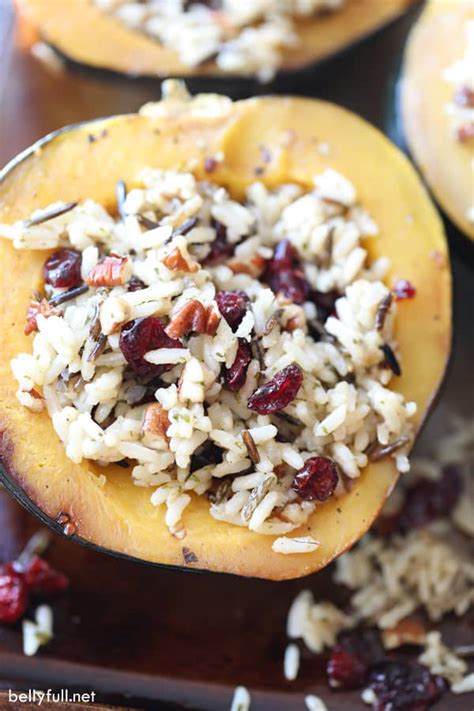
x: 233, y: 350
x: 394, y: 575
x: 240, y: 37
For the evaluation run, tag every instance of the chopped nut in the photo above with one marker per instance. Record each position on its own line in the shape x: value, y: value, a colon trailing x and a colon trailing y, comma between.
x: 177, y: 263
x: 156, y: 420
x: 213, y: 318
x: 407, y: 631
x: 37, y: 307
x: 193, y: 317
x: 297, y: 321
x: 31, y: 399
x: 113, y: 313
x: 112, y: 271
x: 254, y: 267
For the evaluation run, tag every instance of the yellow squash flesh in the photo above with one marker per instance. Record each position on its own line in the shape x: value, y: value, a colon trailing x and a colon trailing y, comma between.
x: 436, y: 42
x: 118, y: 516
x: 86, y: 35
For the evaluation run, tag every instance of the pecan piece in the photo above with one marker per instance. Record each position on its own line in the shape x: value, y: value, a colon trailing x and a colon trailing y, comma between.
x: 37, y: 307
x: 111, y: 271
x: 296, y: 321
x: 193, y: 317
x: 254, y: 266
x: 31, y: 399
x: 156, y: 420
x: 407, y: 631
x: 213, y: 318
x: 177, y: 263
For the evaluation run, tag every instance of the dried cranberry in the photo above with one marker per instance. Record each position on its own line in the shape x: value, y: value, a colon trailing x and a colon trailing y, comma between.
x: 234, y: 377
x: 220, y: 247
x: 42, y: 579
x: 140, y: 336
x: 325, y: 303
x: 278, y: 392
x: 13, y: 594
x: 404, y: 686
x: 464, y: 97
x: 233, y: 306
x: 135, y: 284
x: 465, y: 132
x: 317, y: 480
x: 352, y: 657
x: 284, y: 275
x: 404, y: 289
x: 428, y: 500
x: 63, y: 269
x: 344, y: 670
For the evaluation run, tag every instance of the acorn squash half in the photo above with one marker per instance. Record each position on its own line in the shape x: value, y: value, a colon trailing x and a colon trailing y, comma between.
x: 436, y: 42
x: 88, y: 36
x: 117, y: 516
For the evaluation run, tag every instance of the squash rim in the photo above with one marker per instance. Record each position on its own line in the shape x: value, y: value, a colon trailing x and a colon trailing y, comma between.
x: 10, y: 476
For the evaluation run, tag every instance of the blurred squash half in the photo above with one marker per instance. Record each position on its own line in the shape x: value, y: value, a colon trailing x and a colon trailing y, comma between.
x: 436, y: 42
x: 86, y: 35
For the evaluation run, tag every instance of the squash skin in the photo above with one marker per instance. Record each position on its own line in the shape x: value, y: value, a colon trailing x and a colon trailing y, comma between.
x: 87, y: 36
x: 423, y: 93
x: 119, y: 517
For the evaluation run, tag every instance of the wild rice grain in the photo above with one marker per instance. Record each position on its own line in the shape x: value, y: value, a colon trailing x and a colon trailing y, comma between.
x: 382, y: 311
x: 68, y: 295
x: 121, y: 196
x: 46, y: 215
x: 251, y: 446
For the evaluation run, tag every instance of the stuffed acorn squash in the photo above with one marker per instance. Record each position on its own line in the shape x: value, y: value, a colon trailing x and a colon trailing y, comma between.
x: 229, y: 38
x: 222, y: 326
x: 437, y: 105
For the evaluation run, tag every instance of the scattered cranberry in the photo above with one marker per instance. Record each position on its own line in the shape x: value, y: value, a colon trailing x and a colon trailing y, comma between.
x: 465, y: 132
x: 278, y: 392
x: 345, y: 670
x: 325, y: 303
x: 352, y: 657
x: 13, y: 594
x: 425, y: 501
x: 135, y: 284
x: 234, y: 377
x: 284, y: 274
x: 63, y: 269
x: 404, y: 289
x: 220, y: 248
x: 140, y: 336
x: 42, y: 579
x: 464, y: 97
x: 233, y: 306
x: 404, y: 686
x: 316, y: 480
x: 210, y: 164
